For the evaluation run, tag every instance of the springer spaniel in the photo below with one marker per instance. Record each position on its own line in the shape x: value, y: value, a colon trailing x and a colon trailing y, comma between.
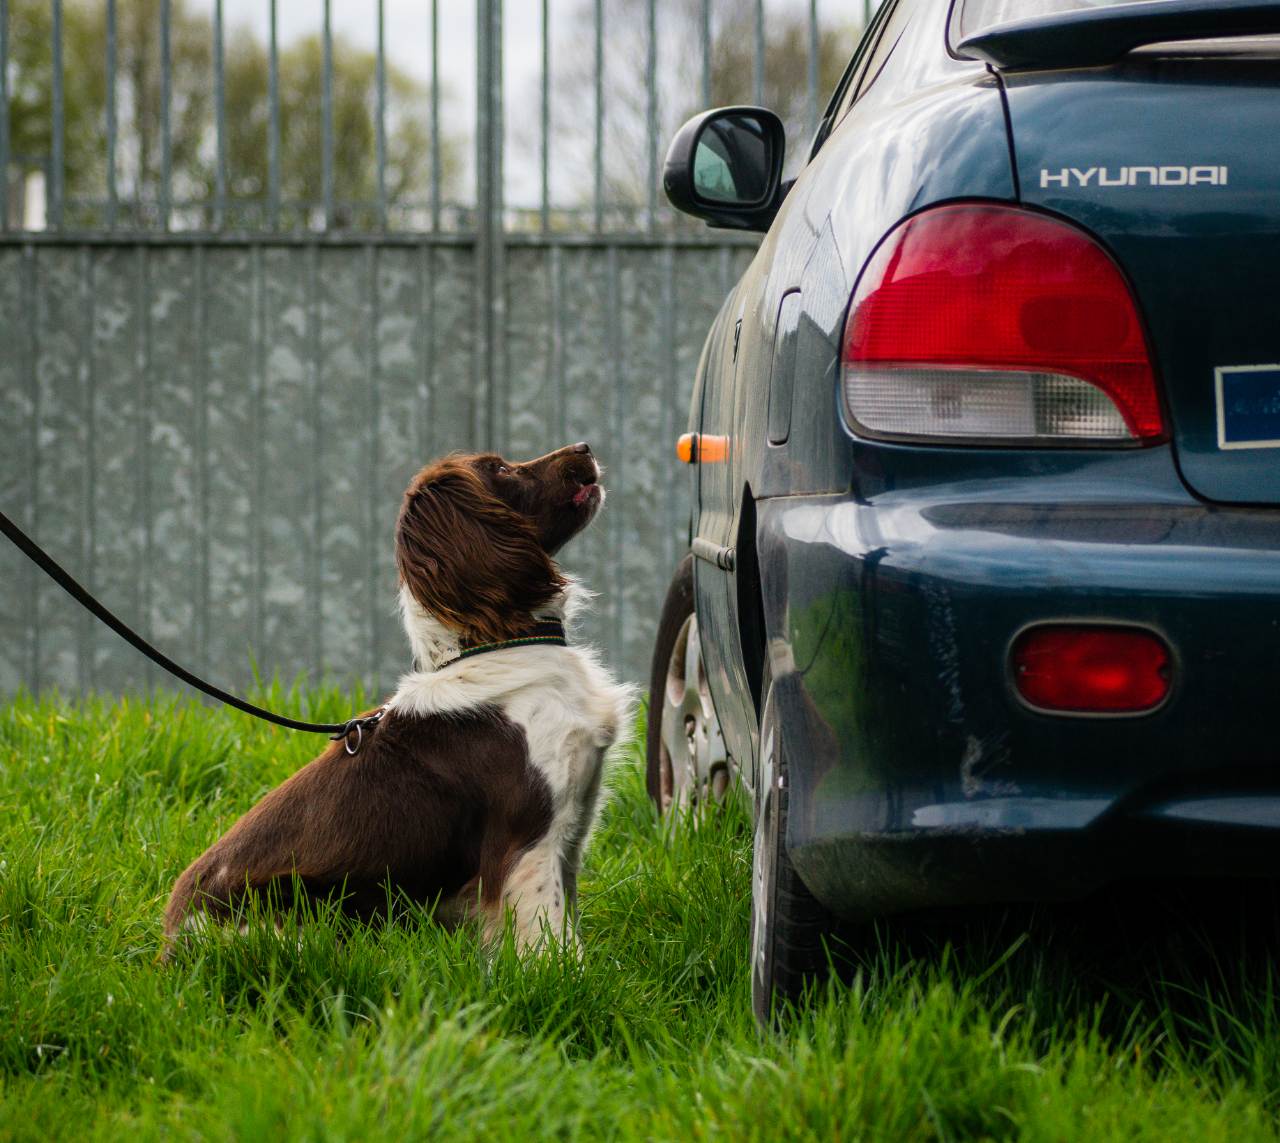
x: 477, y: 783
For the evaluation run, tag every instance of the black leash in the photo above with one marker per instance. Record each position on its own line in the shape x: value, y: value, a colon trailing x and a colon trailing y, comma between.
x: 56, y: 572
x: 351, y: 732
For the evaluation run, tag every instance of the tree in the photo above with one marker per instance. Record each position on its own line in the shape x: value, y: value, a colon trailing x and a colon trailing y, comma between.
x: 192, y: 137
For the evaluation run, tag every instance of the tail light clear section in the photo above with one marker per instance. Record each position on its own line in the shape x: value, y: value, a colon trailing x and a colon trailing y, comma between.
x: 1088, y: 669
x: 984, y: 322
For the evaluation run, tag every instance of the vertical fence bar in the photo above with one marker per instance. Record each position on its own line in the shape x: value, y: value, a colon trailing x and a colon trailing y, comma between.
x: 200, y: 457
x: 545, y: 214
x: 88, y: 412
x: 813, y: 67
x: 651, y: 90
x: 618, y: 429
x: 314, y: 599
x: 142, y: 476
x: 382, y: 118
x: 435, y: 116
x: 326, y: 100
x: 758, y: 71
x: 4, y: 114
x: 598, y: 156
x: 258, y: 490
x: 705, y: 37
x: 555, y: 359
x: 484, y: 213
x: 489, y: 223
x: 426, y: 350
x: 166, y: 125
x: 273, y: 123
x: 500, y: 372
x: 54, y: 194
x: 220, y: 119
x: 112, y: 197
x: 373, y: 549
x: 30, y: 369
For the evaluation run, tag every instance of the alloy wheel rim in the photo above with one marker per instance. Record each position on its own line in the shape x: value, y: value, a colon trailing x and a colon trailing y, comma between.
x: 694, y: 763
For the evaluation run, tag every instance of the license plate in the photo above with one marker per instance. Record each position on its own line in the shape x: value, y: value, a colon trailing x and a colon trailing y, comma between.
x: 1248, y: 399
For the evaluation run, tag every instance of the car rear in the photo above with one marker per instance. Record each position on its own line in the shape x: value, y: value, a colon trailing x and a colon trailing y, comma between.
x: 1168, y: 156
x: 1063, y: 607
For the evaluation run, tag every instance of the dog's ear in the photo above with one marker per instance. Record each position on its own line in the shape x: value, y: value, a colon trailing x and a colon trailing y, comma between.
x: 469, y: 559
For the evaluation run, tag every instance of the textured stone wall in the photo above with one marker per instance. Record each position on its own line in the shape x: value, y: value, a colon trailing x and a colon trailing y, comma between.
x: 214, y: 435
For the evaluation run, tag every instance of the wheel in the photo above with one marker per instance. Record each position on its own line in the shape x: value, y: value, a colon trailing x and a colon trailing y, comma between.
x: 686, y: 763
x: 790, y: 928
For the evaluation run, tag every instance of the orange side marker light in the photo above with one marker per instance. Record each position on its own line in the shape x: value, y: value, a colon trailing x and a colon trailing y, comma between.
x: 702, y: 448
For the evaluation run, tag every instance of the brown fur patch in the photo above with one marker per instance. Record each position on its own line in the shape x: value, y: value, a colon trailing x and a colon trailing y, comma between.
x: 471, y: 560
x: 436, y: 806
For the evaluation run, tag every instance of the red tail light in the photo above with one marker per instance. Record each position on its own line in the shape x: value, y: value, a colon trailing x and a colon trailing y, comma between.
x: 988, y: 322
x: 1101, y: 670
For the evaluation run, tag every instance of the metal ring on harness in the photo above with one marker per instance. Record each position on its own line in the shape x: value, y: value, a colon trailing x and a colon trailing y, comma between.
x: 355, y: 726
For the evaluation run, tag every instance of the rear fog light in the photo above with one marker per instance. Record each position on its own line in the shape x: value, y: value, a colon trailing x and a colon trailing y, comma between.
x: 1091, y: 669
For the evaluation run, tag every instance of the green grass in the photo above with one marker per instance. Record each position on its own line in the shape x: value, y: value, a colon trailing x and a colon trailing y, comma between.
x: 1125, y: 1019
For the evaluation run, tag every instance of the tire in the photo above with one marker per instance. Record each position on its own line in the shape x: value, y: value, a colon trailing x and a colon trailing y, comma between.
x: 790, y: 929
x: 686, y: 766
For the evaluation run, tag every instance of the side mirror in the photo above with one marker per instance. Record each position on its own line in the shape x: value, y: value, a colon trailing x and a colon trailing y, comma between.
x: 725, y: 166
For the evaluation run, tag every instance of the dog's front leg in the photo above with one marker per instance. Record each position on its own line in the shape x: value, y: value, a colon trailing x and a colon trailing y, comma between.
x: 534, y: 894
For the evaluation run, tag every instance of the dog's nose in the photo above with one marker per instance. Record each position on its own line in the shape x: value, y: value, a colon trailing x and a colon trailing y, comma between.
x: 581, y: 446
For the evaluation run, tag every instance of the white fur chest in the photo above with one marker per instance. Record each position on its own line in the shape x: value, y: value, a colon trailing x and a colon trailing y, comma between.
x: 570, y: 717
x: 570, y: 709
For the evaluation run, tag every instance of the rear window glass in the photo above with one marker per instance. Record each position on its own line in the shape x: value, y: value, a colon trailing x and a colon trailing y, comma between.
x: 979, y: 15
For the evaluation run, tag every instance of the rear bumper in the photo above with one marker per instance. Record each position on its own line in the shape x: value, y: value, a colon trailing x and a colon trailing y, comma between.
x: 919, y: 778
x: 871, y: 874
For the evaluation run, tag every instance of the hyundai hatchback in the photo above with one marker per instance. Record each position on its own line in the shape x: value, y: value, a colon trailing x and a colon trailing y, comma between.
x: 983, y: 594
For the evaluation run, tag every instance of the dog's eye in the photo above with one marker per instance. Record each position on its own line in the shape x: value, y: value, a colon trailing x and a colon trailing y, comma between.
x: 502, y: 469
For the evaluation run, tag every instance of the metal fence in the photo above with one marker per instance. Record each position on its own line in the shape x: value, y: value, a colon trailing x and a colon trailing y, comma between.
x: 219, y: 368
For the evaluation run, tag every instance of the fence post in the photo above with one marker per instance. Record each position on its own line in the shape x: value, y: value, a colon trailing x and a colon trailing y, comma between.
x: 490, y: 298
x: 54, y: 195
x: 166, y: 124
x: 4, y: 114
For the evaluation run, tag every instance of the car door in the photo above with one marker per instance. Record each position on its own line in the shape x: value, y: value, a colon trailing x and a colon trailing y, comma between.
x: 713, y: 540
x: 740, y: 415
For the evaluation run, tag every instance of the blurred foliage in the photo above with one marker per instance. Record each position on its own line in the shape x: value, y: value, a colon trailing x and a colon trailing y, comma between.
x: 193, y: 140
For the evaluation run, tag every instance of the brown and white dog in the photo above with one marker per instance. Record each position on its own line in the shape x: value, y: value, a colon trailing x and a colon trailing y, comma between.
x: 479, y: 786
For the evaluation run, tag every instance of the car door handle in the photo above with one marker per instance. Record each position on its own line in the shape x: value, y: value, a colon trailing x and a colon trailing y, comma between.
x: 723, y: 558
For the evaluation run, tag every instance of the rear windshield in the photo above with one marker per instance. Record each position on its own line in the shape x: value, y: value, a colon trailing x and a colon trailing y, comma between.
x: 979, y: 15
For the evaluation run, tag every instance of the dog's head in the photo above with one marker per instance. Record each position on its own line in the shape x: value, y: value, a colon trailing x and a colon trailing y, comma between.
x: 476, y: 536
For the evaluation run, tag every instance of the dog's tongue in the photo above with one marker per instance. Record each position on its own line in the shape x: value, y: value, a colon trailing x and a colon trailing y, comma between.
x: 580, y: 497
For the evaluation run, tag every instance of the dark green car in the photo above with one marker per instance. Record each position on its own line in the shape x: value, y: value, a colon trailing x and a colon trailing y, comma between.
x: 983, y: 597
